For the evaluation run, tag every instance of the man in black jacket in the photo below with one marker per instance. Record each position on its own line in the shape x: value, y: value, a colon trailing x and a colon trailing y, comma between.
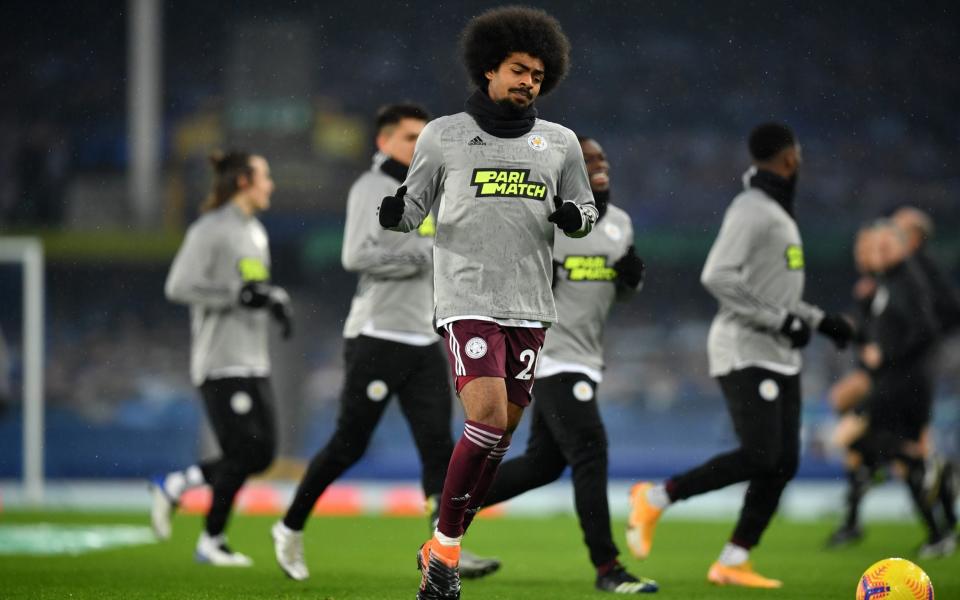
x: 902, y: 337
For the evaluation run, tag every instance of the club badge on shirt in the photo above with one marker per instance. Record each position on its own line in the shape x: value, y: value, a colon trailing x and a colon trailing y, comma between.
x: 537, y: 142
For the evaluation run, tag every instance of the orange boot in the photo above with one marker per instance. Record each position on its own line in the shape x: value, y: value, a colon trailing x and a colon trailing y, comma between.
x: 439, y: 575
x: 642, y: 521
x: 742, y: 575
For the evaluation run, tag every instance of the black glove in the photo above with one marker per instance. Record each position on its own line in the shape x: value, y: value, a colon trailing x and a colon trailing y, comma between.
x: 567, y: 216
x: 838, y: 329
x: 281, y: 311
x: 630, y: 268
x: 255, y: 294
x: 797, y: 330
x: 391, y: 208
x: 259, y: 294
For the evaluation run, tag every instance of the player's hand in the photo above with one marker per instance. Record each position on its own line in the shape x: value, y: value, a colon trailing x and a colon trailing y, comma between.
x: 630, y: 269
x: 566, y: 216
x: 797, y: 330
x: 281, y: 311
x: 838, y: 329
x: 255, y: 294
x: 872, y: 356
x: 391, y: 208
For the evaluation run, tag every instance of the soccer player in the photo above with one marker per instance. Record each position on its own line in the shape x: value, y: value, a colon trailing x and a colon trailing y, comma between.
x: 390, y: 347
x: 865, y: 456
x: 901, y: 343
x: 848, y: 398
x: 499, y: 174
x: 917, y: 227
x: 755, y: 270
x: 590, y: 274
x: 222, y: 272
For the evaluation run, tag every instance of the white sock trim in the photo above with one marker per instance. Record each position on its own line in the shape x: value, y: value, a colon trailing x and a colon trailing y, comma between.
x: 445, y: 540
x: 733, y: 555
x: 657, y: 496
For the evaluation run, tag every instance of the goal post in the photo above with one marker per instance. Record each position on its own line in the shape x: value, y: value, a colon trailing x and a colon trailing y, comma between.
x: 28, y: 252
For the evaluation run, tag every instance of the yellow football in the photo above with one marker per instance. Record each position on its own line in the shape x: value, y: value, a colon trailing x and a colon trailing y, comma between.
x: 894, y: 579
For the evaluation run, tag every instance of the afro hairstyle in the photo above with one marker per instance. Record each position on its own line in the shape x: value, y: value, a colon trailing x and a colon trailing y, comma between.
x: 493, y: 35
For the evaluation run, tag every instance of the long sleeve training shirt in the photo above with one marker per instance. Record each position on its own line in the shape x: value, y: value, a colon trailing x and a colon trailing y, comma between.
x: 493, y: 252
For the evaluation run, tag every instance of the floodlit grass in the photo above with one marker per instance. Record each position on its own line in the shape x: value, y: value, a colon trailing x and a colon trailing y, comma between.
x: 374, y: 558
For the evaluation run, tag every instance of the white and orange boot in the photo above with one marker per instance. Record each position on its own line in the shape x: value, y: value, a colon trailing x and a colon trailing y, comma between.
x: 439, y: 573
x: 642, y: 521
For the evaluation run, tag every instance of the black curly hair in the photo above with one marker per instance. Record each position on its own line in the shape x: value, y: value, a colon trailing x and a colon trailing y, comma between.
x: 493, y: 35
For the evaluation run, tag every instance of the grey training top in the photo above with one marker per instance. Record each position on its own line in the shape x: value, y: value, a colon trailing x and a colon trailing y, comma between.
x: 585, y: 291
x: 223, y: 249
x: 395, y: 290
x: 755, y: 271
x: 493, y: 251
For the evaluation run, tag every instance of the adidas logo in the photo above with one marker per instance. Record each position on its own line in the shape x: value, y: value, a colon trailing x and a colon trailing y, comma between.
x: 477, y: 141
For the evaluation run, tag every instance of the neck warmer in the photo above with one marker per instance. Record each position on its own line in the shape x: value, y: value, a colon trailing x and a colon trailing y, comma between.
x: 602, y: 200
x: 776, y: 187
x: 500, y: 119
x: 395, y: 169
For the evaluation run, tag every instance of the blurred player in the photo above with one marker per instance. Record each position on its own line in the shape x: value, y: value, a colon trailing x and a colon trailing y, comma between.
x: 917, y: 228
x: 501, y: 173
x: 901, y: 345
x: 863, y: 458
x: 848, y: 398
x: 222, y: 272
x: 755, y: 269
x: 390, y: 347
x: 590, y: 274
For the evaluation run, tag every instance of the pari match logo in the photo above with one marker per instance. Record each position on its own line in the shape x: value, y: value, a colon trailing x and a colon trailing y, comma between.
x: 588, y: 268
x: 507, y: 183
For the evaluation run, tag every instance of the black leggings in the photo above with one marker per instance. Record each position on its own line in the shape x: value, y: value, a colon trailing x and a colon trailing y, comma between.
x: 240, y: 411
x: 765, y: 408
x: 376, y: 370
x: 565, y: 430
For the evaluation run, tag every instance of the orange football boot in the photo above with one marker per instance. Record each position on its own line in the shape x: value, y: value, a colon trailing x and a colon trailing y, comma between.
x: 642, y: 521
x: 742, y: 575
x: 439, y: 575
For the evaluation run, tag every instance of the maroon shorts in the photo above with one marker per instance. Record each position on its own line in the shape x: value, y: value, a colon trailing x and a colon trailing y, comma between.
x: 486, y: 349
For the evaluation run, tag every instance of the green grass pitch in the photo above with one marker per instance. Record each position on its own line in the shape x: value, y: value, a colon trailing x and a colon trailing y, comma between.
x: 373, y: 558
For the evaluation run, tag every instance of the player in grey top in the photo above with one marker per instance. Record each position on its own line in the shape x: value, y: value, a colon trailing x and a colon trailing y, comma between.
x: 222, y: 272
x: 755, y: 271
x: 391, y: 347
x: 498, y: 173
x: 566, y: 430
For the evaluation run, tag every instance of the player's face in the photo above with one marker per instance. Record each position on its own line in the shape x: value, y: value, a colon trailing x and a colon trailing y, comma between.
x: 598, y: 169
x: 793, y: 158
x: 398, y: 141
x: 260, y: 187
x: 909, y: 224
x: 863, y: 250
x: 889, y: 249
x: 517, y: 79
